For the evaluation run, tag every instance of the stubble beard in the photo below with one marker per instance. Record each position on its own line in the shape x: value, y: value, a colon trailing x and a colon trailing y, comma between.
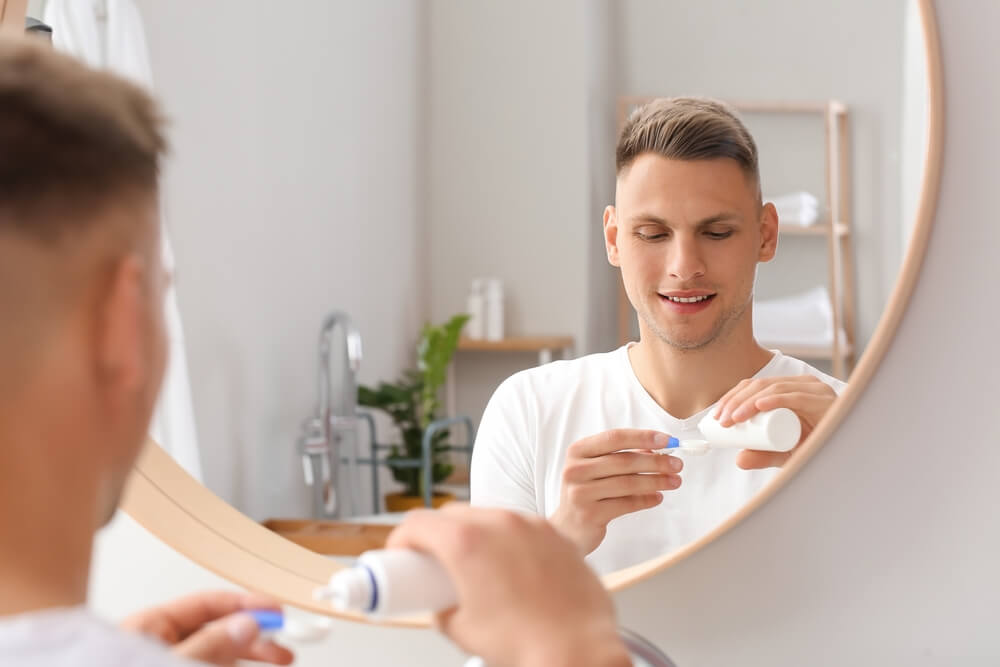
x: 724, y: 323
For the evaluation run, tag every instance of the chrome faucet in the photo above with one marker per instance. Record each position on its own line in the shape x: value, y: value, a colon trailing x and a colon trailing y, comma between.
x: 333, y: 427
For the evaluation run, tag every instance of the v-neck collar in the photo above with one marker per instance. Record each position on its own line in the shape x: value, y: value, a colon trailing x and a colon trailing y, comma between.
x: 650, y: 403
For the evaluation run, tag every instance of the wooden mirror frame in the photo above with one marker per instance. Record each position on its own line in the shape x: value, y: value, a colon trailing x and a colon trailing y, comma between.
x: 184, y: 514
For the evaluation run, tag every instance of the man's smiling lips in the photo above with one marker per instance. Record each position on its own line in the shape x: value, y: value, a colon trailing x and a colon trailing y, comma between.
x: 686, y: 301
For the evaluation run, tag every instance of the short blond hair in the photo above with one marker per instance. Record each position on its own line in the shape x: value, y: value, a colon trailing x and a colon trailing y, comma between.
x: 688, y: 128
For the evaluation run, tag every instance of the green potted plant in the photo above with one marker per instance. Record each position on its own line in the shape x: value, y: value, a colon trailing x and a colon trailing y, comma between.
x: 412, y: 403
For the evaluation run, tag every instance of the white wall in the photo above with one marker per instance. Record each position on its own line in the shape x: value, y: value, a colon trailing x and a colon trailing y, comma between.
x: 508, y: 176
x: 294, y: 189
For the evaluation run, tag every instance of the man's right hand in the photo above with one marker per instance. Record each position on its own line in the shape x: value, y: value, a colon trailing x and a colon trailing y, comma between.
x: 600, y: 482
x: 525, y: 596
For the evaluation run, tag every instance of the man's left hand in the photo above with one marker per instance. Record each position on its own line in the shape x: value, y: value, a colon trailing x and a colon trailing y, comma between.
x: 209, y: 627
x: 805, y: 395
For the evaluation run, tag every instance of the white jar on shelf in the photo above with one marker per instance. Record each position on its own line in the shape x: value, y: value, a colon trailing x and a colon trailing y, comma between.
x: 494, y: 309
x: 475, y: 328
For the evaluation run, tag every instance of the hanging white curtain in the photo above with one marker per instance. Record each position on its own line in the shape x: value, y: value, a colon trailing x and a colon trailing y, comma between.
x: 109, y: 34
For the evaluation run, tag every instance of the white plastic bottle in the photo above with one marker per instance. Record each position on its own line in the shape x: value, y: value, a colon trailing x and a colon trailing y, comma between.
x: 494, y: 309
x: 776, y: 430
x: 475, y: 328
x: 391, y: 582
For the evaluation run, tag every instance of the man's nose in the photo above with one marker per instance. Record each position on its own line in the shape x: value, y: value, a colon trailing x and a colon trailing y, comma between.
x: 684, y: 260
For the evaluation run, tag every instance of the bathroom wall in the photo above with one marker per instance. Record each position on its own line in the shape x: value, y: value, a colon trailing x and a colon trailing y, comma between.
x: 294, y: 188
x: 508, y: 177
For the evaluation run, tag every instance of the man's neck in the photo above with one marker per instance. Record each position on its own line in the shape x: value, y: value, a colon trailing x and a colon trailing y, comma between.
x: 48, y: 512
x: 685, y: 382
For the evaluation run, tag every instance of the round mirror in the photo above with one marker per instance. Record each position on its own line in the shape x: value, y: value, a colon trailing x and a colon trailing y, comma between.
x: 376, y: 160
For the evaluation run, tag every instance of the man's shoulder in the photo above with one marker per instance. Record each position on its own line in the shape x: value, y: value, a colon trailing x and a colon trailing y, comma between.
x: 76, y: 637
x: 782, y: 365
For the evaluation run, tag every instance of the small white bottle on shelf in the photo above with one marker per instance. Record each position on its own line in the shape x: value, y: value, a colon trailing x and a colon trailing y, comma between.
x: 391, y: 582
x: 475, y: 328
x: 494, y: 309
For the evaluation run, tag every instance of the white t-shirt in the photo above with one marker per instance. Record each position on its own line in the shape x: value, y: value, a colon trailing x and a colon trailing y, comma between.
x: 73, y: 637
x: 535, y: 415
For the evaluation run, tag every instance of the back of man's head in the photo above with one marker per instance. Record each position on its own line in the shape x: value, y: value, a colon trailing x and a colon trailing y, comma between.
x: 688, y: 128
x: 80, y: 270
x: 71, y: 139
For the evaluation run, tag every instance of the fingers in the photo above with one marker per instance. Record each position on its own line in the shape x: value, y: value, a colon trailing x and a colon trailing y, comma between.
x: 617, y: 440
x: 620, y: 487
x: 742, y: 401
x: 619, y: 463
x: 269, y: 652
x: 229, y: 639
x: 810, y: 406
x: 616, y: 507
x: 412, y: 532
x: 442, y: 533
x: 174, y: 620
x: 610, y: 474
x: 750, y: 459
x: 189, y: 613
x: 601, y: 512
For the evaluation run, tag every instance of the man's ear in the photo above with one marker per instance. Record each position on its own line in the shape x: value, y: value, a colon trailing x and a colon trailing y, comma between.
x: 611, y: 235
x: 768, y: 233
x: 121, y: 327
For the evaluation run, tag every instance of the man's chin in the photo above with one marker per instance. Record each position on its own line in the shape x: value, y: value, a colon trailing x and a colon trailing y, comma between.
x: 687, y: 341
x: 690, y: 345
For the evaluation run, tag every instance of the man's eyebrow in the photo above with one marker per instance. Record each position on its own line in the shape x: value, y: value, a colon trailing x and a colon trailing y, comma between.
x: 649, y: 217
x: 724, y: 216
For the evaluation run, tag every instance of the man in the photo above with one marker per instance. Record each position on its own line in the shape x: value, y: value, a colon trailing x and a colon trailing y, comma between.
x: 573, y: 440
x: 82, y: 353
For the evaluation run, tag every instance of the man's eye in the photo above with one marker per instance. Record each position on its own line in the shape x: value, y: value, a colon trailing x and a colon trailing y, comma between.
x: 719, y: 235
x: 650, y: 237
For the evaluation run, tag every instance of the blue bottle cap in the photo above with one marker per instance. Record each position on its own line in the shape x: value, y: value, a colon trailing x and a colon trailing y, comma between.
x: 268, y: 619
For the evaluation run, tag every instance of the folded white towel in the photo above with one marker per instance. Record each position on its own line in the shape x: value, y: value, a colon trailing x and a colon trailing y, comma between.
x: 795, y: 200
x: 801, y: 208
x: 801, y: 319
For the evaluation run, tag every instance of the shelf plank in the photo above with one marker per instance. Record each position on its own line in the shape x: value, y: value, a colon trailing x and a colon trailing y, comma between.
x: 338, y: 538
x: 518, y: 344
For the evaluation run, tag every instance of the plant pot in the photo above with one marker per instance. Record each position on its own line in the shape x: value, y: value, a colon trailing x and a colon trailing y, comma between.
x: 398, y: 502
